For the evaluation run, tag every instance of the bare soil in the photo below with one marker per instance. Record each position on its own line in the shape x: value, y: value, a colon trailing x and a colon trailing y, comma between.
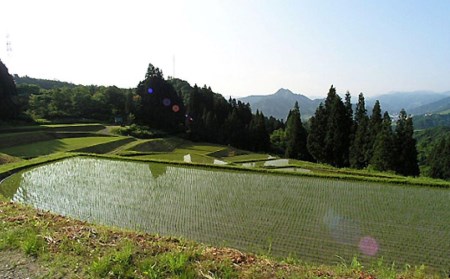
x: 16, y: 265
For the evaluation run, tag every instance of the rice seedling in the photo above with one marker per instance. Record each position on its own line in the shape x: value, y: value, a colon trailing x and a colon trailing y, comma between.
x: 309, y: 218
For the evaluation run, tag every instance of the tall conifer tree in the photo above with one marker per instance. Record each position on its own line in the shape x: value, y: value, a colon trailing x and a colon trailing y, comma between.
x: 8, y: 104
x: 375, y: 126
x: 359, y: 147
x: 406, y: 163
x: 328, y: 140
x: 383, y: 148
x: 316, y: 136
x: 296, y: 136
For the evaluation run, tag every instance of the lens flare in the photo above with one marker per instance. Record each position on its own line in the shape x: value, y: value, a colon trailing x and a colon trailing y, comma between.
x: 368, y: 246
x: 150, y: 91
x: 166, y: 102
x: 175, y: 108
x: 343, y: 229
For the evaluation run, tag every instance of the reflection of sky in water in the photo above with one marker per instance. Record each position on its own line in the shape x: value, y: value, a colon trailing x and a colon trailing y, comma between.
x: 187, y: 158
x: 276, y: 163
x: 219, y: 162
x: 295, y: 169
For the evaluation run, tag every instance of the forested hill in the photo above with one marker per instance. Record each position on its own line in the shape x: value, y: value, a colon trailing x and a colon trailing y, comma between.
x: 442, y: 106
x: 395, y: 101
x: 279, y: 104
x: 42, y: 83
x: 8, y: 95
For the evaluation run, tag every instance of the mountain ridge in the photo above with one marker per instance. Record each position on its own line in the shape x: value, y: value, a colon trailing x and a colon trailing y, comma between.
x: 279, y: 104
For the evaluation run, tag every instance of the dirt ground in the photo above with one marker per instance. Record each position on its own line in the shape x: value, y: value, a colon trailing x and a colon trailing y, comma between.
x: 15, y: 265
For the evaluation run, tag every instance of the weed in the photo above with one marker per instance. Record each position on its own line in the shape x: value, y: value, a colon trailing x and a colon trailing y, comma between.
x: 225, y: 270
x: 176, y: 263
x: 356, y: 265
x: 32, y: 244
x: 150, y: 268
x: 9, y: 239
x: 117, y: 264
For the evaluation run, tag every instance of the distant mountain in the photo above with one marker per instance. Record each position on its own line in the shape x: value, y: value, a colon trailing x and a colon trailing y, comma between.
x: 441, y: 106
x: 393, y: 102
x: 281, y: 102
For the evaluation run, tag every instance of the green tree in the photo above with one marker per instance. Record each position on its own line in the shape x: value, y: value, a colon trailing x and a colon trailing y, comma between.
x: 316, y: 136
x: 82, y: 103
x: 258, y: 133
x: 360, y: 145
x: 296, y: 136
x: 336, y: 137
x: 348, y: 127
x: 384, y: 148
x: 375, y: 126
x: 329, y: 132
x: 278, y: 141
x: 160, y: 106
x: 439, y: 159
x: 405, y: 144
x: 9, y: 107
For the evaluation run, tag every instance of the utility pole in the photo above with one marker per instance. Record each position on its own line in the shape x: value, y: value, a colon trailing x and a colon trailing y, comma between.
x: 8, y: 53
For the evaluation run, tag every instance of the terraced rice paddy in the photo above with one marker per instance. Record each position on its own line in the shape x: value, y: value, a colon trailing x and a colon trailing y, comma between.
x: 314, y: 219
x: 57, y: 145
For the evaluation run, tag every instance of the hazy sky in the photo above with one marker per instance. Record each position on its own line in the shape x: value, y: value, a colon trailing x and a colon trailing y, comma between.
x: 238, y: 47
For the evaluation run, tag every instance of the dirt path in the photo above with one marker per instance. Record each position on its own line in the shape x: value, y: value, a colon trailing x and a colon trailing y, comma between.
x: 15, y: 265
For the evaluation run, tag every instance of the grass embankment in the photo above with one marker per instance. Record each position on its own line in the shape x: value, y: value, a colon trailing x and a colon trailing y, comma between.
x: 58, y: 145
x: 93, y: 127
x: 6, y: 159
x: 8, y: 169
x: 57, y: 247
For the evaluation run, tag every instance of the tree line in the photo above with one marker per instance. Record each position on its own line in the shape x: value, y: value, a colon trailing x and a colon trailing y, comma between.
x: 342, y: 138
x: 338, y: 134
x: 9, y: 107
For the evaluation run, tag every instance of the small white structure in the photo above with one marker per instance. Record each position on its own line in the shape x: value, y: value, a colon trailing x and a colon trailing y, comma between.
x: 187, y: 158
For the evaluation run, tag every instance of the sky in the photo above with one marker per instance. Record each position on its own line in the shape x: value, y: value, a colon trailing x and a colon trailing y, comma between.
x: 237, y: 47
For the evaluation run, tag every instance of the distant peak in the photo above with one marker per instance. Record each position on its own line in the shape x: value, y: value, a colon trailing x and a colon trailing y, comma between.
x: 283, y: 91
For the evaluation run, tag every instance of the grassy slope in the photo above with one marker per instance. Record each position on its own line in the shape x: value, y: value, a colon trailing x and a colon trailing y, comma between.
x: 57, y: 145
x: 5, y: 159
